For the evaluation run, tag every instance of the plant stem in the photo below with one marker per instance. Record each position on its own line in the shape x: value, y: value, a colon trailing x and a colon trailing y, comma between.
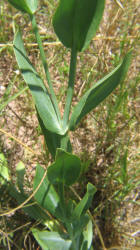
x: 45, y: 65
x: 70, y: 89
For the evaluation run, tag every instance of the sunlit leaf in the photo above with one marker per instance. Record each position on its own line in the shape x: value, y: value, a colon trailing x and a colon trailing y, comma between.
x: 88, y: 236
x: 46, y: 195
x: 39, y: 92
x: 20, y: 171
x: 4, y: 171
x: 99, y: 92
x: 76, y: 22
x: 51, y: 240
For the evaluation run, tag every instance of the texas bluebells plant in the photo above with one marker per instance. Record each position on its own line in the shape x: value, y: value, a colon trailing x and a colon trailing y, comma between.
x: 75, y: 22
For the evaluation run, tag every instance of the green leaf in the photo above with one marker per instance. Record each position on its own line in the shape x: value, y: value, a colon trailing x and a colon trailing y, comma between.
x: 51, y: 240
x: 39, y: 92
x: 46, y: 195
x: 88, y: 235
x: 4, y: 171
x: 76, y: 22
x: 66, y: 168
x: 99, y: 92
x: 69, y: 208
x: 20, y: 171
x: 85, y: 203
x: 79, y: 225
x: 124, y: 175
x: 27, y: 6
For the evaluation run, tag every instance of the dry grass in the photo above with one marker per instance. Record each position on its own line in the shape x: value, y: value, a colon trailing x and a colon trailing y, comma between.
x: 101, y: 139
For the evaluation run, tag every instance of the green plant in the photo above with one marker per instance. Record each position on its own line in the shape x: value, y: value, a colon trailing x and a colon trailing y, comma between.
x: 75, y: 23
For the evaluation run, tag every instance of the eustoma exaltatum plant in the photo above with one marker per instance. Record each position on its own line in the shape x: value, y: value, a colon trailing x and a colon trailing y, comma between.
x: 75, y: 23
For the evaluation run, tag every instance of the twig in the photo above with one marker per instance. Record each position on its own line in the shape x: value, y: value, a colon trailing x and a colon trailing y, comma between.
x: 99, y: 233
x: 120, y: 4
x: 97, y: 228
x: 55, y: 43
x: 27, y: 200
x: 18, y: 141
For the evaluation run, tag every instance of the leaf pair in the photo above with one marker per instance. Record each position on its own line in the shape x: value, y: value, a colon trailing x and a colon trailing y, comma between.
x: 65, y: 170
x: 42, y: 99
x: 54, y: 240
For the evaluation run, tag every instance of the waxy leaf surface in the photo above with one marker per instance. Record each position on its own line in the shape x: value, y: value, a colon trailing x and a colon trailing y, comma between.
x: 51, y: 240
x: 39, y: 92
x: 46, y: 195
x: 27, y: 6
x: 87, y: 236
x: 99, y: 92
x: 4, y: 170
x: 66, y: 168
x: 20, y: 172
x: 76, y: 21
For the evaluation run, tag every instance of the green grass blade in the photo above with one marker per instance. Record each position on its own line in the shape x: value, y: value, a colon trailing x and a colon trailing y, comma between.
x: 51, y: 240
x: 84, y: 204
x: 12, y: 98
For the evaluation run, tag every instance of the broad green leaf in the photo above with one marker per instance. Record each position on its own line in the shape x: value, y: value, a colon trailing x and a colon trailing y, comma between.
x: 54, y: 141
x: 85, y: 203
x: 46, y: 195
x: 39, y: 92
x: 20, y: 171
x: 4, y: 171
x: 51, y: 240
x: 27, y: 6
x: 88, y: 235
x: 66, y: 168
x: 76, y: 21
x: 99, y: 92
